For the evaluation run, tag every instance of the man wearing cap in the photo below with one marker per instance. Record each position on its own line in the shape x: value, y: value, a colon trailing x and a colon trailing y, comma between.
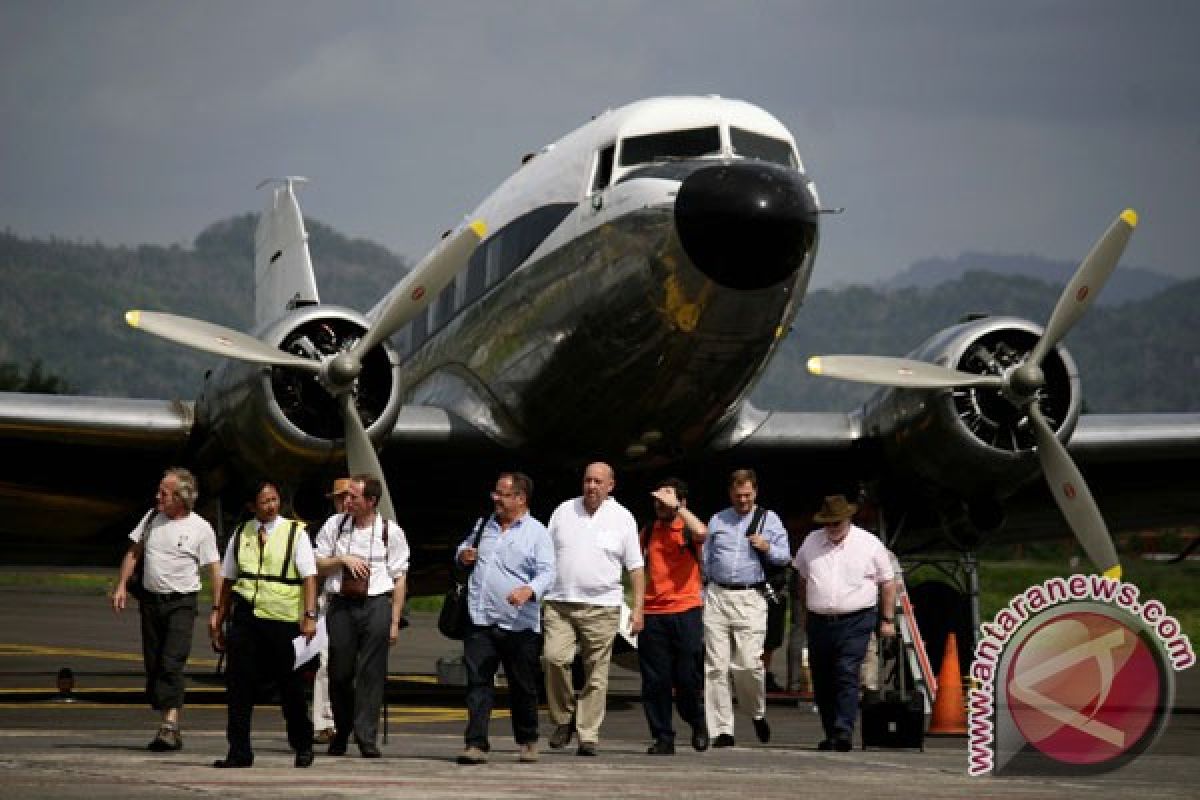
x: 742, y: 540
x: 844, y: 572
x: 322, y: 707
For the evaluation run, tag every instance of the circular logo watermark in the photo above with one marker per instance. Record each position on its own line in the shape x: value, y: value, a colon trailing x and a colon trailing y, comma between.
x: 1075, y: 676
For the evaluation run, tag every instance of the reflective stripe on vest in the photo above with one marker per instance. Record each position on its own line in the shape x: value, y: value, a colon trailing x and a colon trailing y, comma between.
x: 267, y: 577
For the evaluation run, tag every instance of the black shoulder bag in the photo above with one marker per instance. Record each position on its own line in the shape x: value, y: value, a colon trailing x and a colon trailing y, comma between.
x: 135, y: 587
x: 774, y: 578
x: 453, y: 620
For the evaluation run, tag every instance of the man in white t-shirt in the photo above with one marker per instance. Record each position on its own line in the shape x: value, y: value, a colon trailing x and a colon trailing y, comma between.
x: 172, y: 543
x: 594, y: 538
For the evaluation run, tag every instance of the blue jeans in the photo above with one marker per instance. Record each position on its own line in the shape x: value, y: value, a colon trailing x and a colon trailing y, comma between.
x: 486, y: 647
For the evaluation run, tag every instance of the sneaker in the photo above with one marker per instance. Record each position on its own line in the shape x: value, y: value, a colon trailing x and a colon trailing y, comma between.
x: 562, y: 736
x: 472, y: 756
x: 528, y: 753
x: 167, y: 740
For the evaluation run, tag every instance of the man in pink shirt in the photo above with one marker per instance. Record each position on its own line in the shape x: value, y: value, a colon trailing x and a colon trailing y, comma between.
x: 845, y: 572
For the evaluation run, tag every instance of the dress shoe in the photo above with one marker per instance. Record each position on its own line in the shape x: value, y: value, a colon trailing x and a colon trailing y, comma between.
x: 586, y: 749
x: 166, y: 740
x: 369, y: 750
x: 562, y: 736
x: 825, y: 745
x: 723, y: 740
x: 325, y: 736
x: 528, y: 753
x: 700, y: 738
x: 472, y: 756
x: 304, y: 758
x: 762, y: 730
x: 661, y: 747
x: 337, y: 747
x: 229, y: 762
x: 842, y: 745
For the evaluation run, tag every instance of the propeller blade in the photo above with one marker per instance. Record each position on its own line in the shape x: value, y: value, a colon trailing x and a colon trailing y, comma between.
x: 361, y: 458
x: 903, y: 372
x: 1086, y: 283
x: 420, y: 286
x: 216, y: 339
x: 1073, y: 497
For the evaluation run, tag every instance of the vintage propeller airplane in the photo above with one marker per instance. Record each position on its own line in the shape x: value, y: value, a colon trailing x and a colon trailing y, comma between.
x: 617, y: 297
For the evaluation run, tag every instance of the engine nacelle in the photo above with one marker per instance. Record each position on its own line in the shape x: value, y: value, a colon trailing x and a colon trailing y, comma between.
x: 974, y: 443
x: 282, y: 423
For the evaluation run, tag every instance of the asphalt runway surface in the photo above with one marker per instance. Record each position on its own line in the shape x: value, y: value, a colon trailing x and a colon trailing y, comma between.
x: 94, y: 748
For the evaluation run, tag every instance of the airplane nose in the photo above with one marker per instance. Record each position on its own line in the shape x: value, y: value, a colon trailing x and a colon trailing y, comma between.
x: 746, y: 225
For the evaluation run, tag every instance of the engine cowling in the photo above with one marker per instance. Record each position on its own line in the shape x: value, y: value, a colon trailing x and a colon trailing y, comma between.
x: 974, y: 443
x: 283, y: 423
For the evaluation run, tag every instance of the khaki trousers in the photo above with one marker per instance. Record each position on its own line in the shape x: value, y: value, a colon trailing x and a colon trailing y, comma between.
x: 591, y: 629
x: 735, y: 626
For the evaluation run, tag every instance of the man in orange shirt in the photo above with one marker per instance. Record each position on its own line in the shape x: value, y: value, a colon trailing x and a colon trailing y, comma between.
x: 671, y: 645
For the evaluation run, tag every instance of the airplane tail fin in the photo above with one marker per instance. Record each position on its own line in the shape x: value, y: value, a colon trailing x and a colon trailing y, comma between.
x: 283, y: 273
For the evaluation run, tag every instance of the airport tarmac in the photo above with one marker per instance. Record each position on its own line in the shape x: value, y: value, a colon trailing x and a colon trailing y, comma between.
x: 94, y: 748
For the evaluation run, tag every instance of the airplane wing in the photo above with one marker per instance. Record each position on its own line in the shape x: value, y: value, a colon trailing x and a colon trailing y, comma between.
x: 75, y: 466
x: 1143, y: 468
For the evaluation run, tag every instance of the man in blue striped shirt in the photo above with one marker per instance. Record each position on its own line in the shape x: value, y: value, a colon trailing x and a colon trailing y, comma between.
x: 742, y: 539
x: 512, y: 567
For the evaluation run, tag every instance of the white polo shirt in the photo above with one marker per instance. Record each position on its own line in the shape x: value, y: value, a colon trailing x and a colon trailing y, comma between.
x: 842, y: 577
x: 590, y: 550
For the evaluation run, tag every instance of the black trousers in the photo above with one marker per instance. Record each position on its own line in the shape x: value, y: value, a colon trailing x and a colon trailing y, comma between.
x: 260, y: 655
x: 358, y: 662
x: 836, y: 648
x: 671, y: 660
x: 486, y: 647
x: 167, y: 625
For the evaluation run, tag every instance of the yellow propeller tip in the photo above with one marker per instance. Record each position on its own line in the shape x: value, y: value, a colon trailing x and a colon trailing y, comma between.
x: 1130, y: 217
x: 480, y: 228
x: 814, y: 365
x: 133, y: 318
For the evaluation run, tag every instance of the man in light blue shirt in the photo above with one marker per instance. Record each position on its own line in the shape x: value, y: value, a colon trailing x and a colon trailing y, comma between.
x: 512, y: 567
x: 742, y: 540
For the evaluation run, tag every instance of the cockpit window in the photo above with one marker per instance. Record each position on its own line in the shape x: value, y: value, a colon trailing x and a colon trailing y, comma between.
x: 766, y: 148
x: 604, y: 166
x: 670, y: 145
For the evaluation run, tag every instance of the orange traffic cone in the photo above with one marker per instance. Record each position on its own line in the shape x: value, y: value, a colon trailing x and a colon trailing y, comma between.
x: 949, y: 709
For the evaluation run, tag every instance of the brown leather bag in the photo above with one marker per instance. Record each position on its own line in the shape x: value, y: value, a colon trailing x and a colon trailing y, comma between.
x: 352, y: 587
x: 356, y: 588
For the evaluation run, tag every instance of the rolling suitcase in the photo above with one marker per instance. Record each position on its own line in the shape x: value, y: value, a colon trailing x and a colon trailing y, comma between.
x: 893, y: 717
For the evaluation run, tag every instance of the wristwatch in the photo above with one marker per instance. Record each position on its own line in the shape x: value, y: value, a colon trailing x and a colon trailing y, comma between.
x: 310, y: 615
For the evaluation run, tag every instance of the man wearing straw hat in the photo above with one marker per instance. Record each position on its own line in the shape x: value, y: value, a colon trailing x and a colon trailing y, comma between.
x: 844, y: 572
